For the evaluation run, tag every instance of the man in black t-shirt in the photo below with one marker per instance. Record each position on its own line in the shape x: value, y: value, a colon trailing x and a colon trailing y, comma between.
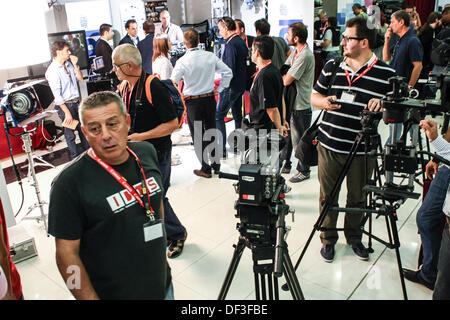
x: 153, y: 122
x: 106, y: 211
x: 267, y: 89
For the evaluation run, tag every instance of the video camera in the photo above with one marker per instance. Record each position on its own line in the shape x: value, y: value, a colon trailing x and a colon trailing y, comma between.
x: 260, y: 186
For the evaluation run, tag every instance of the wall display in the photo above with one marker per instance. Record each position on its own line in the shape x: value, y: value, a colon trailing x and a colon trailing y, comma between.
x: 77, y: 45
x: 88, y: 16
x: 248, y: 12
x: 133, y: 10
x: 283, y: 13
x: 441, y: 4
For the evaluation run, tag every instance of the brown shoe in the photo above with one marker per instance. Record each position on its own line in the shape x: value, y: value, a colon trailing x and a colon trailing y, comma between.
x: 201, y: 173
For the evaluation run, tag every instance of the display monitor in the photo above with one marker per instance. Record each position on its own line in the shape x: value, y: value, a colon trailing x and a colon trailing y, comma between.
x: 77, y: 45
x: 98, y: 63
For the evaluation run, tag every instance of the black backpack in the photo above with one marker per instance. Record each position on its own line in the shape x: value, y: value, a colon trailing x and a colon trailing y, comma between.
x: 440, y: 52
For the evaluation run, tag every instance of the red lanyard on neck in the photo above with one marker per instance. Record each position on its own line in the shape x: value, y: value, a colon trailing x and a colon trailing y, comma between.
x: 350, y: 82
x: 258, y: 71
x: 246, y: 41
x: 234, y: 35
x: 148, y: 209
x: 298, y: 53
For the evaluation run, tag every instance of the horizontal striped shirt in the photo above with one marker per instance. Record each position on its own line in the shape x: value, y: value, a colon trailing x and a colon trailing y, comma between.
x: 339, y: 128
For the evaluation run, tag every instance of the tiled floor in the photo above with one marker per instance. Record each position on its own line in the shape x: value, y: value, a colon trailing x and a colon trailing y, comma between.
x: 205, y: 207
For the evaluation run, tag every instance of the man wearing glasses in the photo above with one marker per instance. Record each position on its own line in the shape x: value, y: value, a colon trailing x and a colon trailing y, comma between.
x: 360, y: 83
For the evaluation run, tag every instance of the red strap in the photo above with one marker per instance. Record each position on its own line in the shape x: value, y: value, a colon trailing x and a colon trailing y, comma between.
x: 123, y: 181
x: 257, y: 72
x: 233, y: 36
x: 350, y: 82
x: 298, y: 53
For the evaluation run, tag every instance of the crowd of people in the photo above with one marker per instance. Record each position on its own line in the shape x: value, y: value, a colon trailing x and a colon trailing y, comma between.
x: 117, y: 221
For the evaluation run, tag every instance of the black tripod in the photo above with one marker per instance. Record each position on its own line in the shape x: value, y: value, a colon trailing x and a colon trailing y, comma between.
x: 266, y: 274
x: 372, y: 141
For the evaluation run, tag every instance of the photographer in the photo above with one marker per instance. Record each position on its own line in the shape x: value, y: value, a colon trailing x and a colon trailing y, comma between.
x: 267, y: 89
x: 361, y: 80
x: 442, y: 285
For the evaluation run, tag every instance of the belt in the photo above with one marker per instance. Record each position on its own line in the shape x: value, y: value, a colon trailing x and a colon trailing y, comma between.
x: 200, y: 96
x: 73, y: 100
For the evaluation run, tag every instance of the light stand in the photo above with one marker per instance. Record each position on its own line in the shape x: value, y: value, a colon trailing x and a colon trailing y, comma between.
x: 40, y: 204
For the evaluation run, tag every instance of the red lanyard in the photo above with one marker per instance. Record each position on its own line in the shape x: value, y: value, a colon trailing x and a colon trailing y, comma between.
x: 234, y: 35
x: 126, y: 185
x: 298, y: 53
x: 350, y: 82
x: 323, y: 26
x: 246, y: 41
x: 257, y: 72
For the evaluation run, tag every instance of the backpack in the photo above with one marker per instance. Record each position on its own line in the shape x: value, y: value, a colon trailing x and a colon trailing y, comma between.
x: 440, y: 52
x: 175, y: 96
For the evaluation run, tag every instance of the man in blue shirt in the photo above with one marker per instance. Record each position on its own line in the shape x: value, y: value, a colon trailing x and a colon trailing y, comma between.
x: 235, y: 57
x: 406, y: 56
x: 62, y: 76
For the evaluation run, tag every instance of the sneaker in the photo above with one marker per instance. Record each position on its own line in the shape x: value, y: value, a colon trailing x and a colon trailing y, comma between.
x: 298, y: 177
x: 176, y: 247
x: 327, y: 252
x: 361, y: 251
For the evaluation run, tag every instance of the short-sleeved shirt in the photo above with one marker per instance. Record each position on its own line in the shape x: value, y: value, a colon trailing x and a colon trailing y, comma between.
x: 407, y: 50
x: 329, y: 36
x: 266, y: 92
x: 339, y: 128
x: 235, y: 57
x: 88, y: 203
x: 302, y: 70
x: 146, y: 116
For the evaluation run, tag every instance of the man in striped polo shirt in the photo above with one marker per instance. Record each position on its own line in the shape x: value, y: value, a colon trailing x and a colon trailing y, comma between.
x: 361, y: 81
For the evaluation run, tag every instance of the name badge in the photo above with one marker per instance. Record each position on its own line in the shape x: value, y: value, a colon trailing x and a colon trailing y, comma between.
x: 153, y: 230
x: 348, y: 97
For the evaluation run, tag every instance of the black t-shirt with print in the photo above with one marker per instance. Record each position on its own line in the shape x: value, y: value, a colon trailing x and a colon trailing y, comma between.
x: 89, y: 204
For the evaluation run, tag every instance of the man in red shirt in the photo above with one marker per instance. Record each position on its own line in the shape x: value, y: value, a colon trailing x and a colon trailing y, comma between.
x: 14, y: 289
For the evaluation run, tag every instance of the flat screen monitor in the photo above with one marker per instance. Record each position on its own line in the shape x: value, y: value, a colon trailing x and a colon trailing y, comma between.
x: 98, y: 63
x: 77, y: 45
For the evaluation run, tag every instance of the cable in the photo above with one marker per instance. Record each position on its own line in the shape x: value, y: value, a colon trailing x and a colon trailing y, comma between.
x: 16, y: 170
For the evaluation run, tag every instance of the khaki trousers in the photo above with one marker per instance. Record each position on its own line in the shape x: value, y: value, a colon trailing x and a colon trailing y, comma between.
x: 330, y: 164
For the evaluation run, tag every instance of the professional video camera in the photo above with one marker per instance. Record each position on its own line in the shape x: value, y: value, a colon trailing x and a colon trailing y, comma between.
x: 262, y: 209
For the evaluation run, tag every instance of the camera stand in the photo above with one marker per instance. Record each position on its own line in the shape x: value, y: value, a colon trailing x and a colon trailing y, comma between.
x: 263, y: 272
x: 40, y: 204
x: 385, y: 194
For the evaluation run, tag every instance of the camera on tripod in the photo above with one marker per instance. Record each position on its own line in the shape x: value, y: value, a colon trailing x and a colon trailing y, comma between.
x: 262, y: 209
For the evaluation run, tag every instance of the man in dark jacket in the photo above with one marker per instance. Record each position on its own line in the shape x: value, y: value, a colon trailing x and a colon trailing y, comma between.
x: 131, y: 37
x: 146, y: 46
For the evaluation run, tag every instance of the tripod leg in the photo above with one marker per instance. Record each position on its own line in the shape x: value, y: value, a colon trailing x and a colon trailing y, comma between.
x: 238, y: 250
x: 397, y: 252
x: 291, y: 278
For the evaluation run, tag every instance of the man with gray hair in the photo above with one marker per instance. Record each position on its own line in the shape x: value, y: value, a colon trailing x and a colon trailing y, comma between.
x: 152, y: 121
x: 109, y: 228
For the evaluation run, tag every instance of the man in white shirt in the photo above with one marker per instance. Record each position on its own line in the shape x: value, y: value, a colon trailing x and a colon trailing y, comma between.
x: 172, y: 30
x: 197, y: 68
x: 442, y: 284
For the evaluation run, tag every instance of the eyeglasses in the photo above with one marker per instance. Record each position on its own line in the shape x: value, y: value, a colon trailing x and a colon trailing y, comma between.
x: 347, y: 39
x: 115, y: 66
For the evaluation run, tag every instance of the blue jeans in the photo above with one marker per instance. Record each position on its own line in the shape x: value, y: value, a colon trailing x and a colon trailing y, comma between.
x: 169, y: 294
x: 429, y: 219
x: 70, y: 134
x: 300, y: 122
x: 174, y: 229
x: 228, y: 98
